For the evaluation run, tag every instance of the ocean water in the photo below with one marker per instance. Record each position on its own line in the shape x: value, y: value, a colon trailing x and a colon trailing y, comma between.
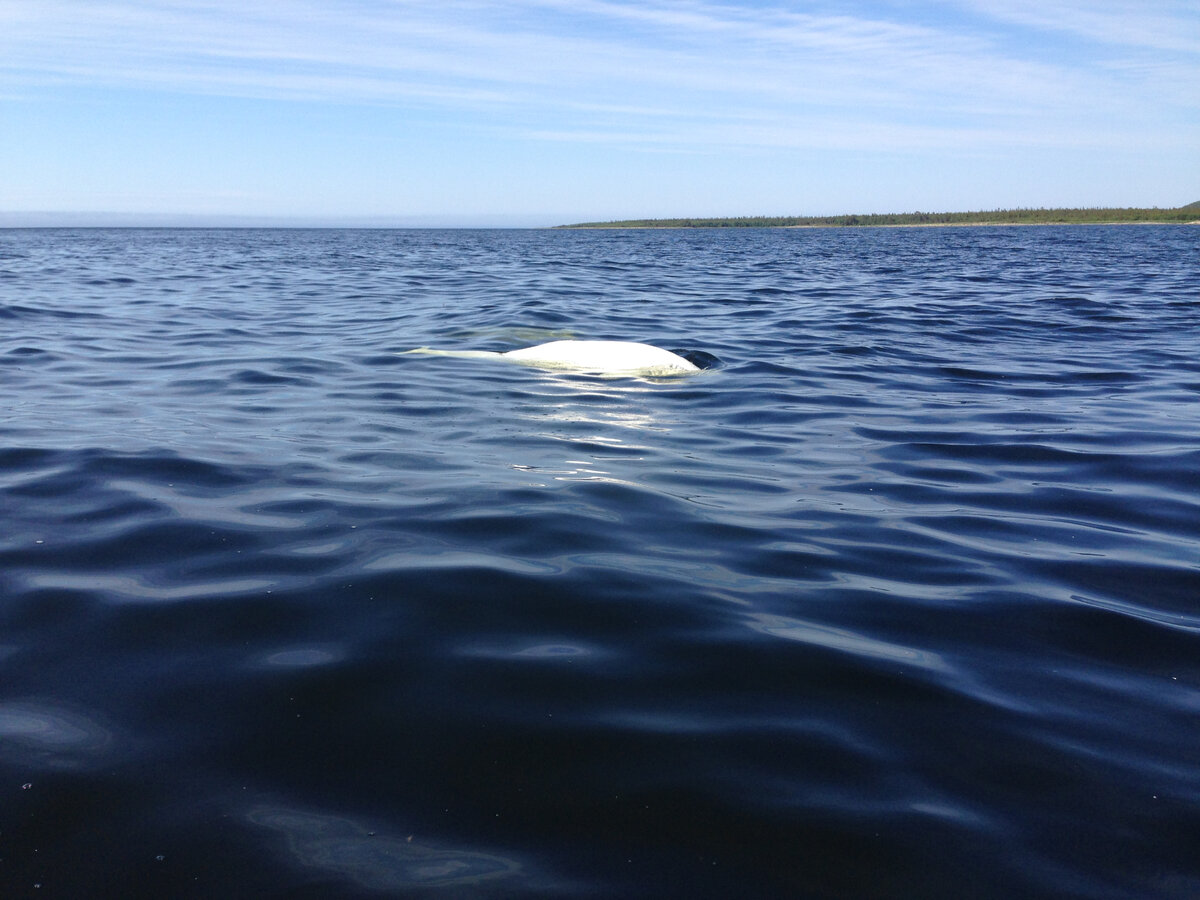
x: 901, y: 599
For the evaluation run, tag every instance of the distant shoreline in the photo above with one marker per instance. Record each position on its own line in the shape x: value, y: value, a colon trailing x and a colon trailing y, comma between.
x: 1183, y: 215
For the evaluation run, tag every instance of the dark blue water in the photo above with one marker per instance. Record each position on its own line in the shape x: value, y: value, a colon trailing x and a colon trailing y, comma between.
x: 900, y: 600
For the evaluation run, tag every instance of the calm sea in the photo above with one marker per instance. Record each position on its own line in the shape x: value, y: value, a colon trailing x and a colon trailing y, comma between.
x: 899, y: 600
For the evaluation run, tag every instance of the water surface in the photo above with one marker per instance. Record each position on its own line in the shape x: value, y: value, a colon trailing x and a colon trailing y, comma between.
x: 902, y: 599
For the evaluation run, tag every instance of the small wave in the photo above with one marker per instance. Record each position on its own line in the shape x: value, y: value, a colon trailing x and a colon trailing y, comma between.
x: 52, y: 736
x: 376, y: 860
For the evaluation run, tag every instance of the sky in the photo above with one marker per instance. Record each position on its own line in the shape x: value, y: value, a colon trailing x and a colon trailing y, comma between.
x: 542, y: 112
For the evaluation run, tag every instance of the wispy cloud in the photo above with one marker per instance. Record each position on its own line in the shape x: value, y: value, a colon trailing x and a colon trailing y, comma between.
x: 655, y: 72
x: 1163, y: 25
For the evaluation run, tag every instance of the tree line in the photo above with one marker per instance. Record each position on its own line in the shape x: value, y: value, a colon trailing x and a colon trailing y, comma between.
x: 1040, y: 216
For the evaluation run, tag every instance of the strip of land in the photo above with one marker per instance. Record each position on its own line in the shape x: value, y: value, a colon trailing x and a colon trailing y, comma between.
x: 1189, y: 214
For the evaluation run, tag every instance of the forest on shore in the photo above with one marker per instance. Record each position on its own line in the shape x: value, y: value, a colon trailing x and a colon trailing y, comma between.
x: 1090, y: 216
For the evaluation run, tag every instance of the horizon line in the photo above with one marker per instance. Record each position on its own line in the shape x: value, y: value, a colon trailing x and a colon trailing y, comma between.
x: 117, y: 219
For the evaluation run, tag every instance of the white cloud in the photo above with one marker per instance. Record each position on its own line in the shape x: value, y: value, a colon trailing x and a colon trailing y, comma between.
x: 1163, y: 25
x: 655, y: 72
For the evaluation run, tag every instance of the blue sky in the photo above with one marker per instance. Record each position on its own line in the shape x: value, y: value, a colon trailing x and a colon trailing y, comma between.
x: 532, y: 112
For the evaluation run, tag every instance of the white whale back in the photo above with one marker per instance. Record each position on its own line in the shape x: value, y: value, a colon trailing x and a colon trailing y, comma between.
x: 602, y: 357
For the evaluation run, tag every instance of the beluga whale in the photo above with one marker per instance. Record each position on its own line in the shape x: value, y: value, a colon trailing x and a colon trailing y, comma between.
x: 599, y: 357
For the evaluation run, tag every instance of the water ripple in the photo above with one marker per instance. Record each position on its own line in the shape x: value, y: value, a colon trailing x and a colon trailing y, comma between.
x: 899, y: 600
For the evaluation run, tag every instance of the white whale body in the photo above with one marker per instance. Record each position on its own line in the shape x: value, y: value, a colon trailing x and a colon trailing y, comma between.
x: 603, y: 357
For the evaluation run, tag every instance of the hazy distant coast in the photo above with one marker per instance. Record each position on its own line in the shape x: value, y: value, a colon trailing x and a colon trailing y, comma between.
x: 1189, y: 214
